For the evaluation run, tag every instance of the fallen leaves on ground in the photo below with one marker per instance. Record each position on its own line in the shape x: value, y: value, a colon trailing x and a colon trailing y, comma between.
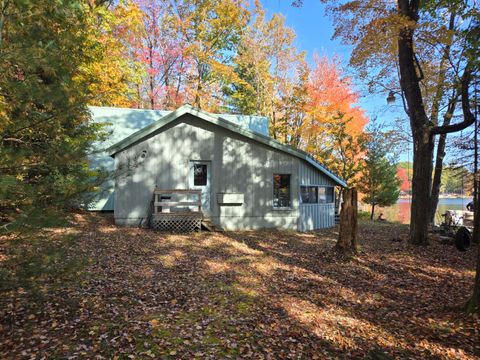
x: 100, y: 291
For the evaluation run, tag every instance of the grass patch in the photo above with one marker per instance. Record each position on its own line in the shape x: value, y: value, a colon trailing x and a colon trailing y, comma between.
x: 38, y: 265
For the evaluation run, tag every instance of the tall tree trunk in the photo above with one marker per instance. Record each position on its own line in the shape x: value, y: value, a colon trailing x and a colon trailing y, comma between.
x: 422, y: 172
x: 139, y: 97
x: 474, y: 302
x: 347, y: 237
x: 197, y: 102
x: 274, y: 122
x: 410, y: 77
x: 437, y: 177
x: 423, y: 131
x: 373, y: 212
x: 152, y: 82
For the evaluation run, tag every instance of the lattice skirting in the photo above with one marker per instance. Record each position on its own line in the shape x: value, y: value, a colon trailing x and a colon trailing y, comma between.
x: 176, y: 223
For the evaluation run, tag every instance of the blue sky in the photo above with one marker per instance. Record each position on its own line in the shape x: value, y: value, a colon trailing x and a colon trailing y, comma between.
x: 313, y: 29
x: 314, y: 34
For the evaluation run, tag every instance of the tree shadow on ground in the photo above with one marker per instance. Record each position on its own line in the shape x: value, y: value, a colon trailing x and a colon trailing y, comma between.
x: 259, y: 294
x: 389, y: 290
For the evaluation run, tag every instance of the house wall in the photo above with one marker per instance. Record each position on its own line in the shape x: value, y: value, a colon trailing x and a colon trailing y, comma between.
x: 120, y: 123
x: 238, y: 165
x: 314, y: 216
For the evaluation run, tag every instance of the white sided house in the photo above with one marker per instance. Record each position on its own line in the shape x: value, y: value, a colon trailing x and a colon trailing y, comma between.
x: 220, y: 168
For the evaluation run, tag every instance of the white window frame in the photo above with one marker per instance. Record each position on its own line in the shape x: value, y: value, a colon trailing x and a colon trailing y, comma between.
x: 273, y: 193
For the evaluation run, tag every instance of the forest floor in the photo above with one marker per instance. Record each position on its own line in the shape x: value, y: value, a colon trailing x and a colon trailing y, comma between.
x: 94, y: 290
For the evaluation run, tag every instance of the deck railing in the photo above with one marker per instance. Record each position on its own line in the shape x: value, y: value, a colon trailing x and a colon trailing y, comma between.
x: 164, y: 204
x: 177, y: 216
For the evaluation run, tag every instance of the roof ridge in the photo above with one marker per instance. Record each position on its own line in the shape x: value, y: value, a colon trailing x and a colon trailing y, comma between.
x: 124, y: 108
x: 220, y: 121
x: 169, y: 111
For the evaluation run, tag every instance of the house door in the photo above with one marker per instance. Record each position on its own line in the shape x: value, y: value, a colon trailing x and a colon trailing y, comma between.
x: 199, y: 178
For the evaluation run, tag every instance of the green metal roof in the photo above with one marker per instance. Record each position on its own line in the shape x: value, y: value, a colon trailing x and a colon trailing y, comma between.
x: 220, y: 120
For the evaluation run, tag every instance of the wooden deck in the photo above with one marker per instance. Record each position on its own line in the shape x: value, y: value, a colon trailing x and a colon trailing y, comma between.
x: 182, y: 215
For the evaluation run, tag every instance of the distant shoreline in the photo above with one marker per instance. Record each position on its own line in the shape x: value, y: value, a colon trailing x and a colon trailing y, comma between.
x: 444, y: 196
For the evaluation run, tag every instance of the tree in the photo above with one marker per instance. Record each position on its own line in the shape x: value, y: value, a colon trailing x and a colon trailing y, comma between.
x: 411, y: 37
x: 404, y: 178
x: 210, y: 30
x: 161, y: 50
x: 422, y: 130
x: 250, y: 93
x: 340, y: 151
x: 347, y: 242
x: 271, y: 76
x: 45, y: 132
x: 333, y: 129
x: 378, y: 181
x: 454, y: 179
x: 473, y: 303
x: 115, y: 75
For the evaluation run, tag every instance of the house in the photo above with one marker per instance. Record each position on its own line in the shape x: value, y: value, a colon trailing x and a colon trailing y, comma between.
x: 246, y: 179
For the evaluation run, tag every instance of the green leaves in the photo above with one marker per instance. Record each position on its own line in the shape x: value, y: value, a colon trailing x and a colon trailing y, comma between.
x: 378, y: 181
x: 45, y: 130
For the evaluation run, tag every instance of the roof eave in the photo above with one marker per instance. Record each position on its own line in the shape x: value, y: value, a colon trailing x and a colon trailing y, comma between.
x: 218, y: 120
x: 129, y: 140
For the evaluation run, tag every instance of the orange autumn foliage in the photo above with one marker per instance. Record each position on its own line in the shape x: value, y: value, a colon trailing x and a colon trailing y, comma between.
x: 333, y: 130
x: 404, y: 179
x: 330, y: 94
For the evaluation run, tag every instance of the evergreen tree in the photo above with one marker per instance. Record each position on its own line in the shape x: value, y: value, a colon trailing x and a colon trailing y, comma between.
x: 45, y: 128
x: 378, y: 182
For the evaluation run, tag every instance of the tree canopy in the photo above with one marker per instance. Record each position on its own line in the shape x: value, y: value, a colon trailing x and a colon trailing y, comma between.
x: 45, y: 130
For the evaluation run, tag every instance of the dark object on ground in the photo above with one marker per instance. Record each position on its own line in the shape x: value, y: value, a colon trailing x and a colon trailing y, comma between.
x: 463, y: 238
x: 397, y: 239
x: 381, y: 218
x: 446, y: 240
x: 470, y: 206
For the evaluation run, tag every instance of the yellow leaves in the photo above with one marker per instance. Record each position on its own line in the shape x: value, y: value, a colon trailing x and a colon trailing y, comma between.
x: 112, y: 71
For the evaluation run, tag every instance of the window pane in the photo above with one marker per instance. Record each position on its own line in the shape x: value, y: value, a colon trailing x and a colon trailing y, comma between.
x: 199, y: 174
x: 325, y: 195
x: 281, y: 190
x: 330, y: 195
x: 309, y: 194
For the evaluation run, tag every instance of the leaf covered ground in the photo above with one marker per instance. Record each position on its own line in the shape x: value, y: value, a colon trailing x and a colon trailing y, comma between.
x: 95, y: 290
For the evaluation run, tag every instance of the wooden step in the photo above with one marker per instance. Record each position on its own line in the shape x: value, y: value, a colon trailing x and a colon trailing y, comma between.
x: 209, y: 226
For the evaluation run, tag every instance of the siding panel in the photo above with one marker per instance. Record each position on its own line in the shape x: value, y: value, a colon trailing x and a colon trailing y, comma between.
x: 316, y: 216
x: 239, y: 165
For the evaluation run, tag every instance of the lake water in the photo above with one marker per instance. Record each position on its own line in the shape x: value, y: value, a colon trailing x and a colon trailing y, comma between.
x: 401, y: 210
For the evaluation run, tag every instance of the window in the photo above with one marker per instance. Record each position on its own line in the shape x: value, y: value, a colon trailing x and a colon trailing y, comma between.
x: 281, y: 190
x: 309, y: 194
x: 314, y: 194
x: 325, y: 195
x: 200, y: 174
